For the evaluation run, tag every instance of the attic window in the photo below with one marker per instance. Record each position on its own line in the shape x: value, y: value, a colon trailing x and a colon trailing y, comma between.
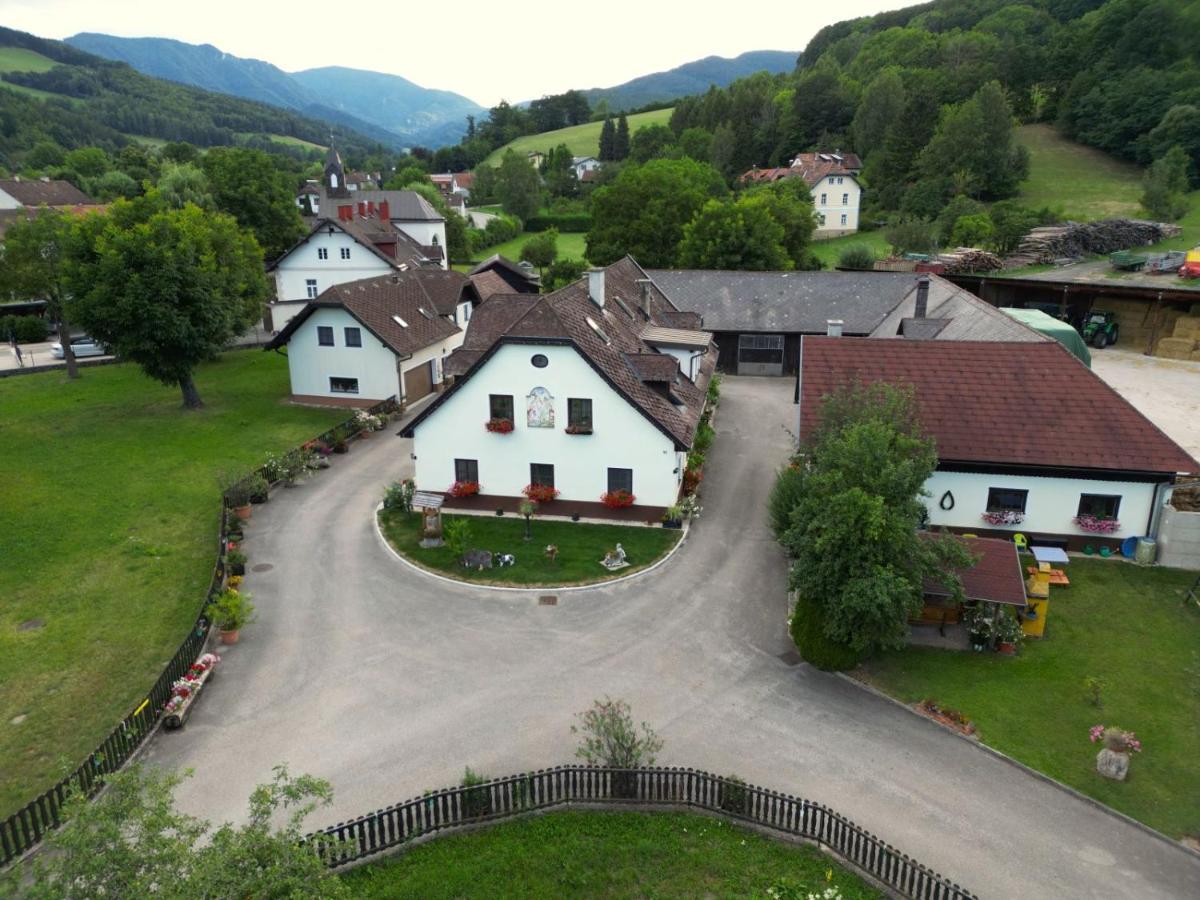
x: 599, y: 331
x: 399, y: 321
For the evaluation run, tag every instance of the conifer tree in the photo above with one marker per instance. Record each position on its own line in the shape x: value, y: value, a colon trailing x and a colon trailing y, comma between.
x: 608, y: 138
x: 621, y: 139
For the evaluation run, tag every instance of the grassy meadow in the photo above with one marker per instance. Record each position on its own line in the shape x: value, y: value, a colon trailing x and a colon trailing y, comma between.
x: 584, y: 140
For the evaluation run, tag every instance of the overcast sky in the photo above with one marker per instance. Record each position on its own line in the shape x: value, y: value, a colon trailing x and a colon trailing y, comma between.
x: 486, y: 51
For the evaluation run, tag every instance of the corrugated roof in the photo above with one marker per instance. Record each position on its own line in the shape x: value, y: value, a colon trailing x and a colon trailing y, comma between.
x: 675, y: 337
x: 1003, y: 403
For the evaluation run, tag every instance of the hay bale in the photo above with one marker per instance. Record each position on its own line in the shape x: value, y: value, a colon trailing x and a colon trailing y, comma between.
x: 1175, y: 348
x: 1195, y: 357
x: 1187, y: 327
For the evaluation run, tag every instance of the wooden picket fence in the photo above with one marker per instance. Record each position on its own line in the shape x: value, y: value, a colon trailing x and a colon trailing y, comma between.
x: 663, y: 788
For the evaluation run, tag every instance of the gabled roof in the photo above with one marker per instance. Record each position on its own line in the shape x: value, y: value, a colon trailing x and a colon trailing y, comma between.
x: 374, y: 235
x: 996, y: 576
x: 1001, y: 403
x: 403, y: 206
x: 416, y: 298
x: 961, y: 316
x: 518, y: 279
x: 605, y: 337
x: 490, y: 283
x: 321, y: 223
x: 52, y: 192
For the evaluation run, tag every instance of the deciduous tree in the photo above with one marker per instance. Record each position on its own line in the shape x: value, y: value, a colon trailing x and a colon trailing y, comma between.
x: 1165, y: 186
x: 541, y: 249
x: 518, y: 187
x: 248, y: 185
x: 740, y: 235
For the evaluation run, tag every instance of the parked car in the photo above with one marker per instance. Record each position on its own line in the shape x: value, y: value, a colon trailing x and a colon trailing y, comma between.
x: 80, y: 346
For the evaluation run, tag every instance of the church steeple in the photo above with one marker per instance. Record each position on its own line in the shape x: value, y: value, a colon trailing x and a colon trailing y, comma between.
x: 335, y: 175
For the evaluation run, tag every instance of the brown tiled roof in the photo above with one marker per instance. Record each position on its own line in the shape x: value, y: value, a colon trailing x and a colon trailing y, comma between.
x: 489, y: 283
x: 45, y: 193
x: 653, y: 366
x: 465, y: 179
x: 995, y: 577
x: 563, y: 317
x: 375, y: 301
x: 812, y: 167
x: 1004, y: 403
x: 518, y: 280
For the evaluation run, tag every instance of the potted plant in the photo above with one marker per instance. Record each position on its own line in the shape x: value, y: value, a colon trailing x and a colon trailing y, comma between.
x: 463, y: 489
x: 257, y: 487
x: 540, y: 493
x: 673, y: 517
x: 1113, y: 760
x: 981, y: 625
x: 1097, y: 524
x: 237, y: 496
x: 1003, y: 517
x: 499, y: 426
x: 231, y: 611
x: 617, y: 499
x: 1008, y: 634
x: 235, y: 562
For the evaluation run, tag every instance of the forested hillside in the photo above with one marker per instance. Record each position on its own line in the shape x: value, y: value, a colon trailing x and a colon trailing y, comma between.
x: 75, y: 100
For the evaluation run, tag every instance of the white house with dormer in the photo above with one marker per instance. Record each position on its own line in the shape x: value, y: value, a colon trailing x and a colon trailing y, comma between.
x: 832, y: 180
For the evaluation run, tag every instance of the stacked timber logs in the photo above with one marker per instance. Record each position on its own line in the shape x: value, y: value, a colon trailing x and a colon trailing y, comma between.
x: 968, y: 259
x: 1072, y: 240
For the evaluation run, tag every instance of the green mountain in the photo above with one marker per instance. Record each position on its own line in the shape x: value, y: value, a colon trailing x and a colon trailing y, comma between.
x: 52, y: 91
x: 691, y: 78
x: 387, y: 107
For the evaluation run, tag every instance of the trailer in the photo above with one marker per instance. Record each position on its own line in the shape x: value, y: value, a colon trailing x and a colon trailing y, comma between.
x: 1191, y: 265
x: 1164, y: 263
x: 1127, y: 261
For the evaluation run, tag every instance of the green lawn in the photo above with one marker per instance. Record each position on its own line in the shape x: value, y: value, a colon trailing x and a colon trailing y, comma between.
x: 603, y: 854
x: 1119, y: 622
x: 110, y: 503
x: 18, y: 59
x: 580, y: 548
x: 828, y: 250
x: 570, y: 246
x: 584, y: 140
x: 1077, y: 181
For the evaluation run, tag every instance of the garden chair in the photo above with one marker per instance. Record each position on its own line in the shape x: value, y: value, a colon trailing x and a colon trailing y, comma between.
x: 1022, y: 542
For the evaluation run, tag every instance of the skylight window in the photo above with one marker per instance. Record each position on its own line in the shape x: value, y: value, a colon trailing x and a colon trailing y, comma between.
x: 399, y: 321
x: 426, y: 313
x: 599, y: 331
x: 621, y: 303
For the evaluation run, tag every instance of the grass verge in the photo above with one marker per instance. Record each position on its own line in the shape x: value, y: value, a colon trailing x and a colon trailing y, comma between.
x: 580, y: 548
x: 602, y: 854
x: 1122, y: 623
x: 111, y: 502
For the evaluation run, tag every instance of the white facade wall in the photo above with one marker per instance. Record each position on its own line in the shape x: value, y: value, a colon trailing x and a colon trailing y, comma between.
x: 622, y: 438
x: 303, y: 263
x: 7, y: 201
x: 282, y: 313
x: 1051, y: 505
x: 311, y: 365
x: 425, y: 233
x: 689, y: 360
x: 840, y: 200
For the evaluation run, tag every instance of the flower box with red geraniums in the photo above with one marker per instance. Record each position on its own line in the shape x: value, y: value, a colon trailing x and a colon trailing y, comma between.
x: 499, y: 426
x: 691, y: 480
x: 463, y: 489
x: 617, y: 499
x: 1097, y: 525
x: 1003, y: 517
x: 540, y: 493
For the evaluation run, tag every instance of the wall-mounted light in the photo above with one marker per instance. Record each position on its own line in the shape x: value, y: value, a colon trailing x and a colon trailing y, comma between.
x: 413, y: 455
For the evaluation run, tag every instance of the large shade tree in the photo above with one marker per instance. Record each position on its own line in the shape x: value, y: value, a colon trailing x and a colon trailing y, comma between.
x: 251, y: 187
x: 165, y: 288
x: 849, y: 510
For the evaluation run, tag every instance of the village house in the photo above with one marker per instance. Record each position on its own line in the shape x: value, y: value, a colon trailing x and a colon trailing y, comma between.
x: 367, y: 340
x: 758, y: 318
x: 595, y: 388
x: 499, y: 275
x: 1029, y: 440
x: 585, y: 167
x: 832, y: 179
x: 22, y: 193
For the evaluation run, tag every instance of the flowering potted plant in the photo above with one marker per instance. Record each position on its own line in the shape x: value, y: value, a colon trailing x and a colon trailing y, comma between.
x: 673, y: 517
x: 617, y: 499
x: 185, y: 689
x: 236, y: 561
x: 463, y: 489
x: 1097, y: 524
x: 399, y: 495
x: 237, y: 495
x: 1113, y: 760
x: 365, y: 423
x: 981, y: 625
x: 691, y: 480
x: 540, y: 493
x: 1003, y: 517
x: 1008, y: 634
x: 499, y: 426
x: 231, y: 610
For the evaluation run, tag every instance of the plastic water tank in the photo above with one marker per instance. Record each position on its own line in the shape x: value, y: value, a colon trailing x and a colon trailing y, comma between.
x: 1147, y: 550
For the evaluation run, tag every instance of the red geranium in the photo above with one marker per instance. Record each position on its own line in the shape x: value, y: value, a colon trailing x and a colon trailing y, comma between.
x: 540, y: 493
x: 499, y: 426
x: 463, y: 489
x: 617, y: 499
x: 691, y: 480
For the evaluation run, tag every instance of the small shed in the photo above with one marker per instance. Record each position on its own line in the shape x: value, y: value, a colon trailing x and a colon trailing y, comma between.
x: 996, y: 577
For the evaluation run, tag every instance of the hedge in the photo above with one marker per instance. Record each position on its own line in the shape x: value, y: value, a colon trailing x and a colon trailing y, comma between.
x: 808, y: 631
x: 28, y: 329
x: 567, y: 223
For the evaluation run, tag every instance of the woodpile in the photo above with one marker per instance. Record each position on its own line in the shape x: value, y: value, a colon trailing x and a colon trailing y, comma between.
x: 1073, y: 240
x: 1186, y: 499
x: 969, y: 259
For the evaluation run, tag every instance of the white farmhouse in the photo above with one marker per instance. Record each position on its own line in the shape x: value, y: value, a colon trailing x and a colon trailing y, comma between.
x: 832, y: 179
x: 583, y: 166
x: 1029, y: 439
x: 602, y: 382
x: 388, y: 336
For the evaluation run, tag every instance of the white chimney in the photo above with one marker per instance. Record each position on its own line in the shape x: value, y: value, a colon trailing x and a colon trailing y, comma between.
x: 596, y: 286
x: 833, y: 327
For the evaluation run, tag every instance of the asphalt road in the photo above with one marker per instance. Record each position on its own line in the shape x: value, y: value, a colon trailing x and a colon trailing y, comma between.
x: 388, y: 683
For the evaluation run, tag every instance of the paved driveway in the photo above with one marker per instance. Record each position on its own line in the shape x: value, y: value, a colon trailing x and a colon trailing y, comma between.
x: 388, y: 683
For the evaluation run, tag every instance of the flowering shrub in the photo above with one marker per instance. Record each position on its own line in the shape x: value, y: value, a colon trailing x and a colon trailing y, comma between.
x: 499, y: 426
x: 364, y: 421
x: 689, y: 507
x: 1004, y: 517
x: 617, y: 499
x: 1116, y: 739
x: 399, y: 495
x: 691, y: 480
x: 540, y: 493
x: 1097, y: 524
x: 463, y: 489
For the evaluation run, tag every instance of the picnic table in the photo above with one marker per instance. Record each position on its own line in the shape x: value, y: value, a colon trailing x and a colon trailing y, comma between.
x: 1049, y: 554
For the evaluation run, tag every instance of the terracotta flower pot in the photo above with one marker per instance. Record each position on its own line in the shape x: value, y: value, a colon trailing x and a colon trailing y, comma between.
x: 243, y: 512
x: 1007, y: 648
x: 230, y: 636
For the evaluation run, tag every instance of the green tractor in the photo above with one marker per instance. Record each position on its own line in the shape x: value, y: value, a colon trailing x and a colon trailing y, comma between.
x: 1101, y: 329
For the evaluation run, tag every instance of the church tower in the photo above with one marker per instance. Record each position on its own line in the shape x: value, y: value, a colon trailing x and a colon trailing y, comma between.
x: 335, y: 176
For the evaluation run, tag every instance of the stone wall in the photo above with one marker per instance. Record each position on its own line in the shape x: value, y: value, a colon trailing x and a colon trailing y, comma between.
x: 1179, y: 539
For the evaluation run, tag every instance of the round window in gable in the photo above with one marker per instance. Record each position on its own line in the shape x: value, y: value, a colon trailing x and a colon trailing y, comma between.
x: 539, y: 361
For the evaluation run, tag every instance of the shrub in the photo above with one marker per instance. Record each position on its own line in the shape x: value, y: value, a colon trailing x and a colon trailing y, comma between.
x: 477, y: 801
x: 399, y: 495
x: 609, y: 737
x: 856, y: 256
x: 695, y: 460
x: 785, y: 495
x: 807, y: 627
x: 910, y: 236
x: 714, y: 389
x: 733, y: 797
x: 567, y: 223
x: 704, y: 437
x: 691, y: 480
x: 26, y: 329
x: 457, y: 535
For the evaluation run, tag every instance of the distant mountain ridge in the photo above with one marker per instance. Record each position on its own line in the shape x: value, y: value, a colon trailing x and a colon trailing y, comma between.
x: 385, y: 106
x: 691, y: 78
